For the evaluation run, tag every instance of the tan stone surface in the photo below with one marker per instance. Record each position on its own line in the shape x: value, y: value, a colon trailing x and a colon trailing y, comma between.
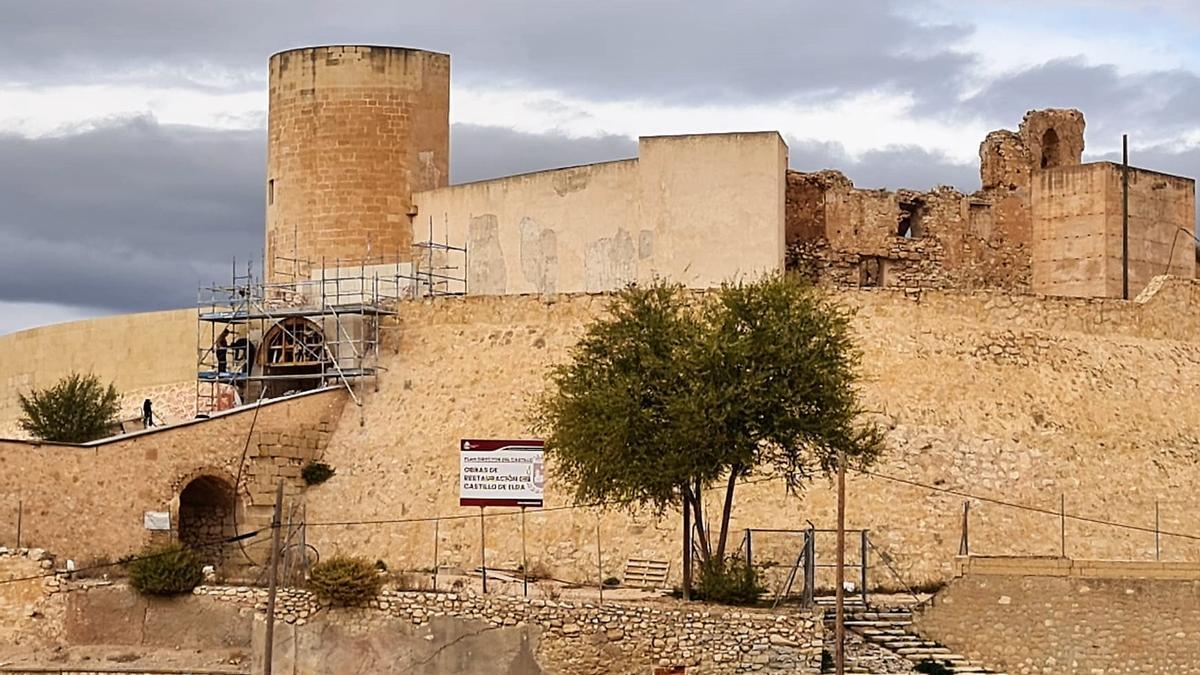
x: 87, y: 501
x: 1019, y: 398
x: 352, y: 132
x: 696, y: 209
x: 1034, y: 619
x: 143, y: 355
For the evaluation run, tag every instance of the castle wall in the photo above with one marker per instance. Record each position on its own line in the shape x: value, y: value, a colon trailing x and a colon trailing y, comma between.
x: 841, y: 235
x: 352, y: 133
x: 1077, y: 221
x: 88, y: 501
x: 150, y: 355
x: 1070, y: 616
x: 696, y: 209
x: 1021, y: 398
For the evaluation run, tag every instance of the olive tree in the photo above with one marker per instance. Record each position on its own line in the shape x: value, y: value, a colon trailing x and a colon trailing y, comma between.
x: 672, y: 394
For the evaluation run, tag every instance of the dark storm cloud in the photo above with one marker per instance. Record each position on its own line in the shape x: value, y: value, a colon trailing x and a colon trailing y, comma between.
x: 644, y: 49
x: 128, y: 216
x: 1158, y: 102
x: 892, y: 167
x: 480, y: 152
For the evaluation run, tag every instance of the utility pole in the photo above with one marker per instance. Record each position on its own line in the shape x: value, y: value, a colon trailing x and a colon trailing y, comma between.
x: 269, y: 647
x: 839, y: 626
x: 1125, y: 217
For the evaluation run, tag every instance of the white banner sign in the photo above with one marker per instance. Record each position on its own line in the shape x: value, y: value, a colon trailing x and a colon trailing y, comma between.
x: 157, y: 520
x: 501, y: 473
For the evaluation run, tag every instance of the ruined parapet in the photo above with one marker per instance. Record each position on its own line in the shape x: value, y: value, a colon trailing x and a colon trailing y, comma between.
x: 1054, y: 137
x: 1046, y: 139
x: 1004, y: 161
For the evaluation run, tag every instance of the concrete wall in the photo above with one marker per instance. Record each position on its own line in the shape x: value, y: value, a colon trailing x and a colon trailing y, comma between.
x: 1070, y: 616
x: 352, y: 132
x: 1023, y: 398
x: 151, y: 355
x: 1077, y: 214
x: 696, y: 209
x: 88, y: 501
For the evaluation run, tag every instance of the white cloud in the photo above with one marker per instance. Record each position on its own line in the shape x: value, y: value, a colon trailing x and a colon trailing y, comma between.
x: 15, y: 316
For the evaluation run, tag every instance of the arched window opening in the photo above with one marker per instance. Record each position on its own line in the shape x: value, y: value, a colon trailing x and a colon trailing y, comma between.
x: 1050, y: 149
x: 293, y: 356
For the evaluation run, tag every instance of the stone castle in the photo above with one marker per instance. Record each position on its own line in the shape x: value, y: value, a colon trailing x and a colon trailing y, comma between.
x: 1015, y: 350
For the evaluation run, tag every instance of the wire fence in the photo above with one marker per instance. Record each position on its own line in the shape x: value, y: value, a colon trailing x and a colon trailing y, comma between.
x: 585, y: 545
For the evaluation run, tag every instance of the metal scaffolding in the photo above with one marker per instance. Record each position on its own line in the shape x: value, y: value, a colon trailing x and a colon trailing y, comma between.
x: 259, y: 340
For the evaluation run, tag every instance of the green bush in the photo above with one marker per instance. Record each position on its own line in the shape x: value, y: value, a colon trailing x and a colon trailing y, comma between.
x: 729, y: 582
x: 169, y: 569
x: 345, y: 580
x: 77, y: 409
x: 315, y: 473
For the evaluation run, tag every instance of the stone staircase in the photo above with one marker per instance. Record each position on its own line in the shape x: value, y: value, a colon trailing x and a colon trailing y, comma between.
x: 882, y: 640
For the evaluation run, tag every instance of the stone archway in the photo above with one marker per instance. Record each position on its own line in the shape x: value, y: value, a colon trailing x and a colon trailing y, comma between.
x: 207, y: 506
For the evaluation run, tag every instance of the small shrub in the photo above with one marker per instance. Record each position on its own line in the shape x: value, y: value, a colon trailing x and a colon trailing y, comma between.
x: 77, y: 409
x: 729, y: 582
x: 381, y: 566
x: 345, y: 580
x: 169, y: 569
x: 612, y: 582
x: 315, y: 473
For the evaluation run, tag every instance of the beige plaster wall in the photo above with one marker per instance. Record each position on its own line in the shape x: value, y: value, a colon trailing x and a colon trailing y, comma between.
x: 698, y: 209
x: 1021, y: 398
x: 150, y: 355
x: 1077, y: 229
x: 1070, y: 616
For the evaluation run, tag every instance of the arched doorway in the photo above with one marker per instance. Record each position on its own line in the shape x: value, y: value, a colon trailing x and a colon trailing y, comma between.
x: 207, y: 507
x: 293, y: 356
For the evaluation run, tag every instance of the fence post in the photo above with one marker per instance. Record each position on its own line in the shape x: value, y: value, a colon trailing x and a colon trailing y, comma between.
x: 20, y: 509
x: 1157, y: 547
x: 863, y: 558
x: 964, y: 542
x: 1062, y: 516
x: 749, y: 548
x: 810, y: 566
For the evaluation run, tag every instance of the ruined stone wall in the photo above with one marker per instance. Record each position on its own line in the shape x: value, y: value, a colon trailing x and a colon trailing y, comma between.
x: 699, y: 210
x: 1020, y: 398
x: 1070, y: 616
x: 845, y: 236
x: 88, y: 501
x: 352, y: 132
x: 31, y: 615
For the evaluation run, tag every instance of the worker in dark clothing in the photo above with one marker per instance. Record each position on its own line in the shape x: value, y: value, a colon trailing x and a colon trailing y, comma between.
x: 147, y: 414
x: 222, y: 348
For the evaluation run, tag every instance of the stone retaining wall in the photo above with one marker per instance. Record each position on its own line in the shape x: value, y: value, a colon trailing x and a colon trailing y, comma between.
x: 1050, y: 616
x: 585, y: 638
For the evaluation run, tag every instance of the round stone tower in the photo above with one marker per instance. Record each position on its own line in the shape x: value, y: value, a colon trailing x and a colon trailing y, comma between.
x: 353, y: 131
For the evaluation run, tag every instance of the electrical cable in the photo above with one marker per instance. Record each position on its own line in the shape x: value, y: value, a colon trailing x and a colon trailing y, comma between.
x: 54, y: 573
x: 1035, y: 509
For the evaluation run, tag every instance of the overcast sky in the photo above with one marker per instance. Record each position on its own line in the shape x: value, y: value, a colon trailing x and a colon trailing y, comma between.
x: 132, y: 135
